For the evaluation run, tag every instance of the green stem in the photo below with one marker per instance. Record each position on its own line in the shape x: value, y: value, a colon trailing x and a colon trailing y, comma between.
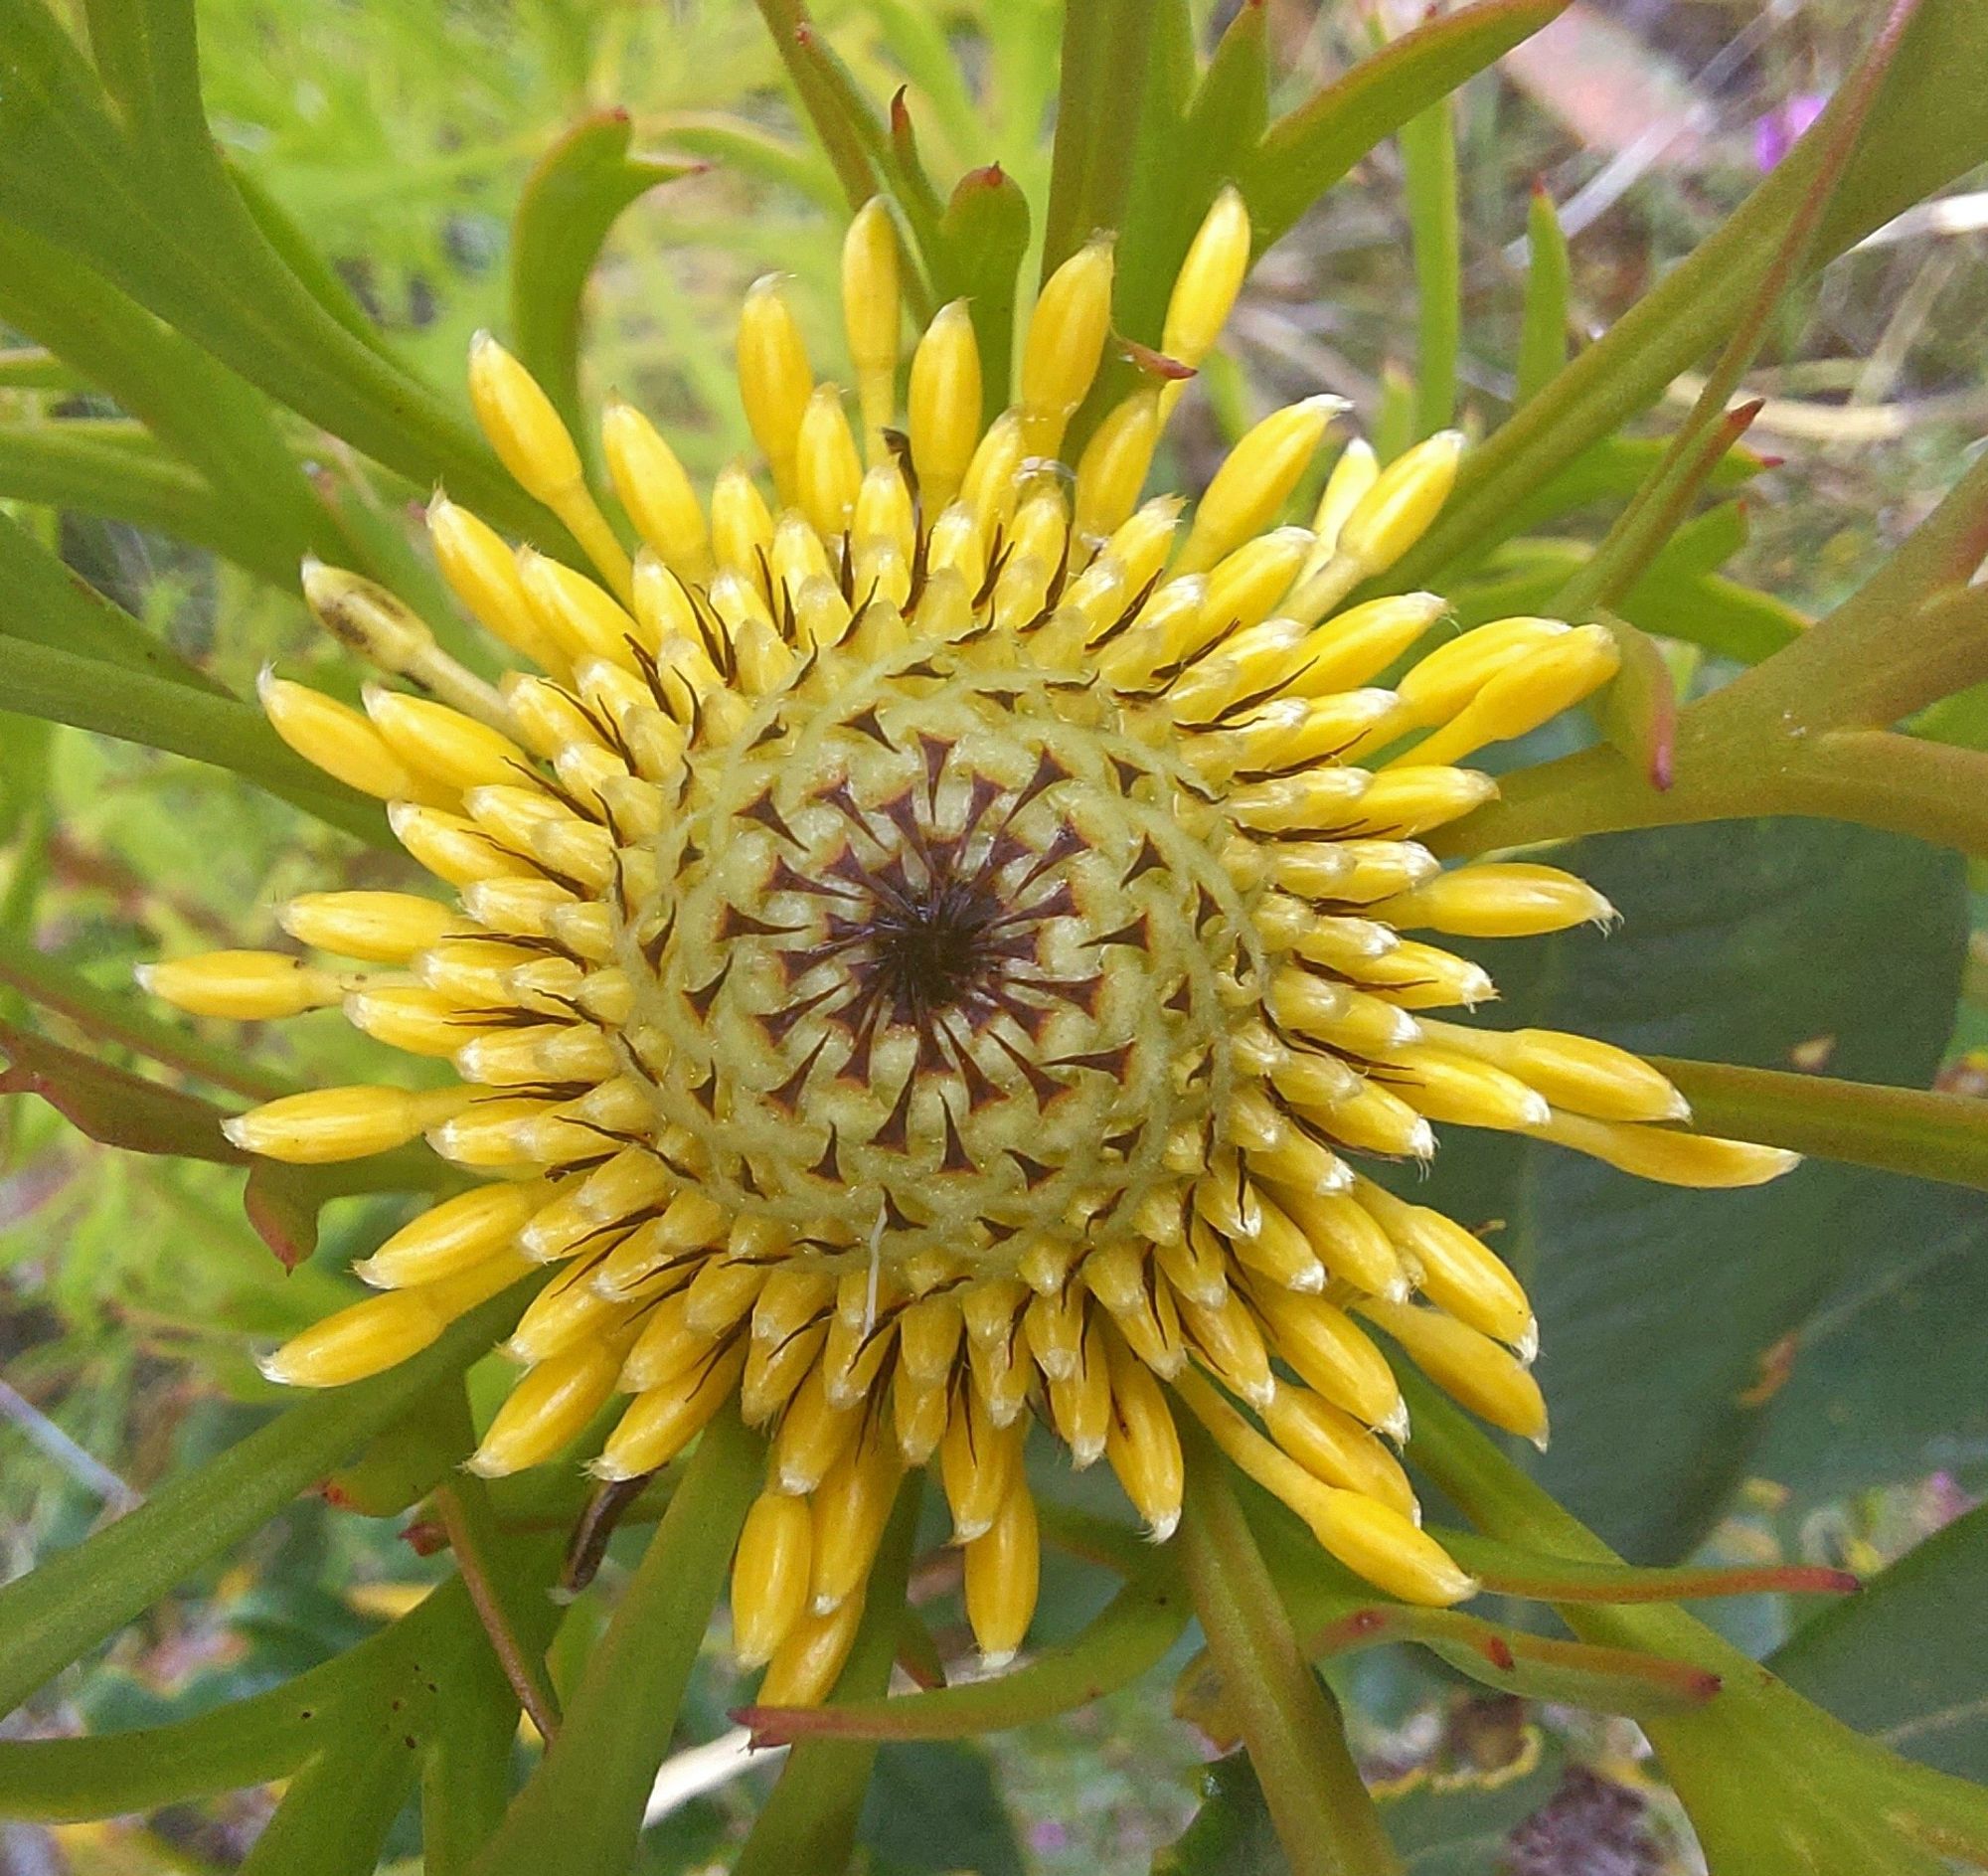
x: 582, y: 1809
x: 463, y: 1508
x: 1428, y: 159
x: 1324, y: 1817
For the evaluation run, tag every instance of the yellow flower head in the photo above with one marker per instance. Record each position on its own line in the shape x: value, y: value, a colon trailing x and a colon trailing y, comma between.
x: 929, y: 946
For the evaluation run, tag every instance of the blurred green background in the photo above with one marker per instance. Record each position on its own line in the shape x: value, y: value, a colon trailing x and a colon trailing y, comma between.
x: 399, y: 134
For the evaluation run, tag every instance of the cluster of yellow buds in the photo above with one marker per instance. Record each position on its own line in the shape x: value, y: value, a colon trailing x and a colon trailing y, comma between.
x: 938, y: 943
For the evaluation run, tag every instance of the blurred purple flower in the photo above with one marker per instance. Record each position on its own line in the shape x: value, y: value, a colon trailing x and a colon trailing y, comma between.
x: 1775, y: 135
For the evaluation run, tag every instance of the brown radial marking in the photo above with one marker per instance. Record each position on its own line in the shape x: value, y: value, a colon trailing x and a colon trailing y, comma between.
x: 998, y: 1231
x: 1105, y: 1060
x: 980, y: 1092
x: 958, y: 1158
x: 935, y: 751
x: 701, y: 999
x: 896, y: 1131
x: 844, y: 571
x: 1206, y: 907
x: 1049, y: 772
x: 653, y: 1070
x: 902, y: 814
x: 838, y: 796
x: 1052, y: 596
x: 896, y: 1217
x: 773, y: 731
x: 787, y: 1097
x: 705, y: 1093
x: 1058, y: 904
x: 652, y: 675
x: 1143, y: 862
x: 997, y: 561
x: 932, y: 1051
x: 749, y: 1179
x: 1067, y: 843
x: 1046, y: 1089
x: 1203, y: 1070
x: 857, y: 1068
x: 1123, y: 1144
x: 784, y: 879
x: 1138, y: 935
x: 923, y: 668
x: 1128, y: 615
x: 829, y: 1165
x: 688, y: 856
x: 1181, y: 999
x: 1080, y: 992
x: 1034, y: 1171
x: 776, y: 1025
x: 736, y: 924
x: 867, y: 723
x: 1027, y: 1017
x: 766, y: 814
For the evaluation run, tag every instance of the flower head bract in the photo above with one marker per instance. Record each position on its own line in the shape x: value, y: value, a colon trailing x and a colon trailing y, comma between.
x: 934, y: 943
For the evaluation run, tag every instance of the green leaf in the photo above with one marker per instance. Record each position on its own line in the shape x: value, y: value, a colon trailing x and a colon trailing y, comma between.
x: 1428, y: 181
x: 569, y: 200
x: 78, y: 1597
x: 582, y: 1808
x: 163, y: 714
x: 1544, y: 324
x: 977, y: 255
x: 1311, y: 148
x: 1906, y: 1661
x: 1698, y: 1291
x: 1928, y: 125
x: 1105, y: 47
x: 937, y: 1808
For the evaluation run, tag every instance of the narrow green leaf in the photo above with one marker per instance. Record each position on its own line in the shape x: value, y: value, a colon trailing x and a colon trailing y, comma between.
x: 753, y: 150
x: 1897, y: 1663
x: 1311, y: 148
x: 1428, y: 163
x: 570, y: 200
x: 582, y: 1809
x: 35, y: 368
x: 842, y: 123
x: 63, y: 687
x: 78, y: 1597
x: 1130, y: 1635
x: 1539, y: 1577
x: 319, y: 276
x: 1105, y: 45
x: 1549, y: 273
x: 809, y: 1821
x: 982, y: 238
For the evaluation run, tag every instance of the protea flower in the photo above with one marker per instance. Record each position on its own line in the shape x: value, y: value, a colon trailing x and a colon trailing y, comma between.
x: 926, y: 950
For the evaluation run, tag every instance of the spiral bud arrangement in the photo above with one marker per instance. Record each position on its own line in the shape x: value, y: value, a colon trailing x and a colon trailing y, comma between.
x: 926, y: 950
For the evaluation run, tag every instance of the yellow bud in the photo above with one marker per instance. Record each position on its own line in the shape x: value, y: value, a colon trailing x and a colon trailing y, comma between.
x: 1455, y: 1271
x: 1674, y: 1158
x: 372, y: 1336
x: 1503, y: 898
x: 1080, y: 1401
x: 1420, y: 976
x: 451, y: 1236
x: 1003, y: 1570
x: 549, y: 1409
x: 1458, y: 1089
x: 1402, y: 802
x: 383, y: 928
x: 665, y: 1349
x: 449, y: 846
x: 1356, y: 471
x: 943, y: 404
x: 1347, y: 1241
x: 769, y: 1576
x: 335, y: 738
x: 1065, y: 340
x: 1526, y: 692
x: 774, y: 377
x: 1053, y: 1326
x: 978, y: 1462
x: 580, y: 617
x: 1230, y: 1345
x: 517, y: 418
x: 1484, y: 1375
x: 1255, y: 481
x: 776, y: 1369
x: 1209, y: 279
x: 1142, y: 1443
x: 443, y: 742
x: 1395, y: 512
x: 1573, y: 1071
x: 662, y: 1421
x: 1112, y: 470
x: 827, y: 470
x: 1336, y: 1448
x: 482, y: 572
x: 852, y: 1506
x: 1332, y: 1356
x: 805, y: 1667
x: 812, y: 1436
x: 1247, y: 582
x: 871, y: 316
x: 1440, y: 685
x: 741, y: 525
x: 884, y: 509
x: 248, y: 986
x: 408, y: 1017
x: 1359, y: 644
x: 990, y: 486
x: 336, y: 1124
x: 655, y: 490
x: 1384, y: 1546
x: 918, y: 1411
x: 928, y: 1339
